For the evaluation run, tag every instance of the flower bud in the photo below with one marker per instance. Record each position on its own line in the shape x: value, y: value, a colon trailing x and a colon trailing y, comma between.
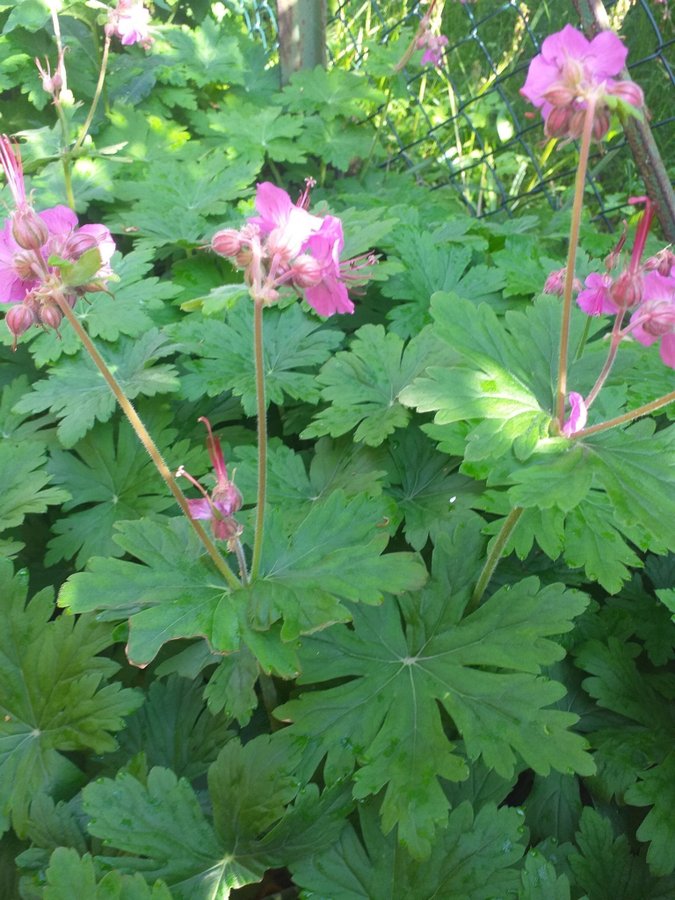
x: 628, y: 92
x: 78, y: 243
x: 601, y: 122
x: 559, y: 94
x: 227, y: 498
x: 50, y: 316
x: 226, y: 242
x: 627, y: 289
x: 19, y: 319
x: 226, y: 529
x: 558, y: 121
x: 657, y: 317
x: 23, y: 264
x: 662, y: 262
x: 307, y: 271
x: 28, y: 229
x: 244, y: 258
x: 576, y: 123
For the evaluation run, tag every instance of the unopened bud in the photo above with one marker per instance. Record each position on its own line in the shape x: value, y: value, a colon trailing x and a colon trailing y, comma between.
x: 226, y: 529
x: 226, y: 242
x: 306, y: 271
x: 227, y: 498
x: 559, y: 94
x: 19, y: 319
x: 78, y: 243
x: 244, y: 257
x: 558, y: 122
x: 628, y: 92
x: 50, y: 316
x: 657, y: 317
x: 24, y: 266
x: 601, y: 122
x: 28, y: 229
x: 662, y: 262
x: 576, y: 123
x: 627, y: 289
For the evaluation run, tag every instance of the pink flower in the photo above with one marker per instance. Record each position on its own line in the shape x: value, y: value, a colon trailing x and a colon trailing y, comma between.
x: 654, y: 319
x: 569, y: 71
x: 434, y: 44
x: 286, y: 225
x: 578, y: 415
x: 329, y: 295
x: 224, y: 500
x: 129, y: 21
x: 595, y: 300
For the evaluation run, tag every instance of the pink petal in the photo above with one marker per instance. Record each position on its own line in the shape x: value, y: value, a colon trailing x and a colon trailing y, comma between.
x: 595, y: 299
x: 274, y: 206
x: 607, y: 55
x: 104, y: 240
x: 667, y: 350
x: 578, y: 415
x: 328, y: 297
x: 59, y: 219
x: 200, y: 509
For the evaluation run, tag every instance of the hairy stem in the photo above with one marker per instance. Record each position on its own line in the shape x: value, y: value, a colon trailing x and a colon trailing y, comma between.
x: 575, y: 226
x: 97, y: 95
x: 262, y: 435
x: 148, y: 443
x: 627, y: 417
x: 491, y: 562
x: 241, y: 561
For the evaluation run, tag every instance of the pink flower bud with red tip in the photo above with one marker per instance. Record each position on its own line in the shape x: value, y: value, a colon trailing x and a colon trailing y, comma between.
x: 52, y: 84
x: 601, y: 122
x: 227, y: 242
x: 306, y: 271
x: 555, y: 283
x: 558, y: 122
x: 628, y: 92
x: 50, y: 316
x: 627, y: 289
x: 28, y: 229
x: 663, y: 262
x: 19, y: 319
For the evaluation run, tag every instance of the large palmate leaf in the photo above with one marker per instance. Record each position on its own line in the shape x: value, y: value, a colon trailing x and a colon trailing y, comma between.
x: 111, y: 475
x: 77, y: 394
x: 54, y: 697
x: 254, y: 133
x: 334, y: 92
x: 362, y: 384
x: 69, y: 875
x: 25, y: 482
x: 305, y: 574
x: 259, y: 820
x: 295, y: 343
x: 485, y: 670
x: 475, y: 857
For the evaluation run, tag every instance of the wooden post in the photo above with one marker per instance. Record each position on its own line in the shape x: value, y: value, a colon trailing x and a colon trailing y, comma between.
x: 302, y: 35
x: 639, y: 135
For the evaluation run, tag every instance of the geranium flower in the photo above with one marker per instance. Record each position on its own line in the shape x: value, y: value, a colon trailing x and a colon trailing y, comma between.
x: 286, y: 224
x: 224, y: 501
x: 654, y: 319
x: 329, y: 295
x: 570, y: 71
x: 129, y: 21
x: 595, y: 299
x: 434, y: 44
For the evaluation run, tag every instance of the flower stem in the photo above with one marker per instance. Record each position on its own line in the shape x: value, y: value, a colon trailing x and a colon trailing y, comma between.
x: 147, y: 441
x: 627, y: 417
x: 609, y: 362
x: 241, y: 560
x: 97, y: 95
x: 575, y: 226
x: 262, y: 435
x: 507, y: 528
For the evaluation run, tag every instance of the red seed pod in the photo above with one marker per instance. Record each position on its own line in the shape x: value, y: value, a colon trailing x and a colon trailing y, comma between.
x: 50, y: 316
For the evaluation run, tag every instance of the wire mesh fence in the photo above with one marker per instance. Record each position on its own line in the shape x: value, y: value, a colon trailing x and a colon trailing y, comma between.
x: 465, y: 125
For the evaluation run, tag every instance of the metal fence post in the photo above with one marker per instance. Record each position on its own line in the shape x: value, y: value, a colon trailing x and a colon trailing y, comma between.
x: 302, y: 35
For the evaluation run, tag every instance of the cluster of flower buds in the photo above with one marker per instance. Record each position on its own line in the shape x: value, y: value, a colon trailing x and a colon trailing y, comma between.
x: 45, y: 258
x: 53, y: 82
x: 130, y: 22
x: 570, y: 73
x: 287, y: 246
x: 223, y: 502
x: 646, y: 288
x: 427, y: 39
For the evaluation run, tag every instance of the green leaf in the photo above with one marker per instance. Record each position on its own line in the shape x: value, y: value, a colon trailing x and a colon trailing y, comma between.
x: 80, y: 272
x: 656, y: 788
x: 605, y: 867
x: 111, y: 475
x: 77, y: 394
x: 205, y: 54
x: 539, y: 879
x: 363, y: 384
x: 295, y: 343
x: 231, y: 687
x: 391, y: 687
x: 54, y: 698
x: 553, y: 807
x: 25, y: 487
x: 69, y: 876
x: 307, y: 567
x: 526, y: 271
x: 474, y: 857
x: 255, y: 133
x: 173, y: 729
x: 334, y: 92
x: 253, y: 826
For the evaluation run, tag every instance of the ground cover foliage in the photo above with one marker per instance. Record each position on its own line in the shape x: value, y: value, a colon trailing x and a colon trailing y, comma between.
x: 355, y: 721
